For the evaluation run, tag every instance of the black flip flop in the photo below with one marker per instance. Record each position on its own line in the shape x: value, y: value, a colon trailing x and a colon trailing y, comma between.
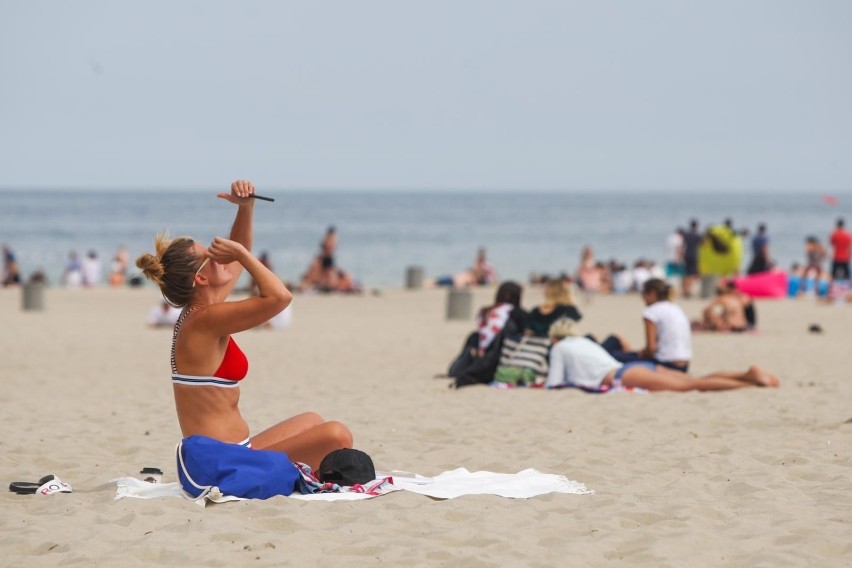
x: 28, y: 487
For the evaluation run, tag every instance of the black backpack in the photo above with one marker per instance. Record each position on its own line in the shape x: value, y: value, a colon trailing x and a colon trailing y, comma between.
x: 470, y: 368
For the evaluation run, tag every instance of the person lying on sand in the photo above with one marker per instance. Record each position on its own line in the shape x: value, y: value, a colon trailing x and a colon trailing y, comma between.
x: 482, y: 273
x: 580, y: 362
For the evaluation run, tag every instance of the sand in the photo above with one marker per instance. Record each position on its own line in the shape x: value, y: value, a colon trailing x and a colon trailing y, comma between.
x: 754, y: 477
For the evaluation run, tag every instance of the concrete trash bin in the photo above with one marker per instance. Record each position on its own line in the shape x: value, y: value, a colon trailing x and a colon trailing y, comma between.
x: 33, y: 296
x: 459, y: 304
x: 709, y: 282
x: 414, y: 277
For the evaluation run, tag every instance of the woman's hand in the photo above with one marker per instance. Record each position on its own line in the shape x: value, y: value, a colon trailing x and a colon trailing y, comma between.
x: 240, y: 192
x: 224, y: 251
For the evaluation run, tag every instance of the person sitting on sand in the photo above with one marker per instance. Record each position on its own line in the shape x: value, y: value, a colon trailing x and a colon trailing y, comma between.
x: 589, y: 274
x: 558, y: 303
x: 580, y: 362
x: 118, y: 267
x: 482, y: 273
x: 505, y: 313
x: 163, y: 315
x: 73, y: 274
x: 11, y: 272
x: 321, y: 273
x: 480, y: 354
x: 668, y: 336
x: 347, y: 284
x: 726, y: 312
x: 207, y: 365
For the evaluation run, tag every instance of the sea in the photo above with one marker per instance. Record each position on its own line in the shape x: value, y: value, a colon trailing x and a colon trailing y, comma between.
x: 382, y: 233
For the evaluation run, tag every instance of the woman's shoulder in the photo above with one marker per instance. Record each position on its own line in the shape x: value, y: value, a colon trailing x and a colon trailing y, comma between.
x: 567, y: 310
x: 663, y: 309
x: 518, y: 310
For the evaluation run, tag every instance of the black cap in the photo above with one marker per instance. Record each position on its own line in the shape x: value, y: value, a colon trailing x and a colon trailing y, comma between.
x: 346, y: 467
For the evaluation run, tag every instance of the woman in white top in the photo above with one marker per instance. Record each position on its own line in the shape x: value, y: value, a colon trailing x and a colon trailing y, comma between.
x: 668, y: 333
x: 580, y: 362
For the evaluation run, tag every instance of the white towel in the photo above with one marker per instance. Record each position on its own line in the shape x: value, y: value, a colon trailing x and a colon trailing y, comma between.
x: 448, y: 485
x: 522, y: 485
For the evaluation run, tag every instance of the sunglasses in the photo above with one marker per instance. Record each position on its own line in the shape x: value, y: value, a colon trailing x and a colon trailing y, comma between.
x: 200, y: 268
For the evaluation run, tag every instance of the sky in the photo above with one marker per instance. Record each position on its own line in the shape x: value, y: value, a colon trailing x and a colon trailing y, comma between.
x: 479, y: 94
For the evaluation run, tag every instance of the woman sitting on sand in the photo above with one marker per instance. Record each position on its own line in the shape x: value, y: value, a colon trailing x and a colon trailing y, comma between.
x: 668, y: 335
x: 580, y: 362
x: 480, y: 354
x: 558, y: 303
x: 505, y: 313
x: 730, y: 310
x: 207, y: 365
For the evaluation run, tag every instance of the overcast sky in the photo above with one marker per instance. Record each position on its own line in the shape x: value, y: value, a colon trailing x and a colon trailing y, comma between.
x: 553, y: 94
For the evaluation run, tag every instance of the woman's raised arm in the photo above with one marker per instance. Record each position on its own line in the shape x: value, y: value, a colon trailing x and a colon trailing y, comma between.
x: 242, y: 231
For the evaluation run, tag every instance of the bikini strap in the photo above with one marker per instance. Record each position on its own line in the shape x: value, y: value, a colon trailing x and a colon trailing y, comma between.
x: 178, y: 323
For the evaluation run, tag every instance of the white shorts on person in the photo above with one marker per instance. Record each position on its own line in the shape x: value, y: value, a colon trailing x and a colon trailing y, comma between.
x: 579, y: 362
x: 674, y: 334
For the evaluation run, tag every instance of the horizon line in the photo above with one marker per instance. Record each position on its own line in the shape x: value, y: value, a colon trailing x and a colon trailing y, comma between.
x: 421, y: 189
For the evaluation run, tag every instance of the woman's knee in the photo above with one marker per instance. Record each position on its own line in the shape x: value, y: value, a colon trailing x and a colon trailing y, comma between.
x: 310, y: 419
x: 338, y: 433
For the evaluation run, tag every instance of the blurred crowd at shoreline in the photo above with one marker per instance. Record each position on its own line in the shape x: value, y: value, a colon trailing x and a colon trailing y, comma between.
x: 692, y: 254
x: 702, y: 258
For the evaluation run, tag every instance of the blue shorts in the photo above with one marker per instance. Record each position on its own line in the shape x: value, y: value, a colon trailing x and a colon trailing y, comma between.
x: 647, y: 364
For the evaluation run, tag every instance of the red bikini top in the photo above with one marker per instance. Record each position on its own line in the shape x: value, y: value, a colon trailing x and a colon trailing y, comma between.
x: 234, y: 366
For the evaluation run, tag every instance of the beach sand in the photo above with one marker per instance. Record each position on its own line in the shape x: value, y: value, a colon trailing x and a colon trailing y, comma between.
x: 754, y: 477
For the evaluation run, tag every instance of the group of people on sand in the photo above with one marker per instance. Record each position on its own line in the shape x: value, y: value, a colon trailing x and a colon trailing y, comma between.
x: 323, y: 274
x: 812, y: 278
x: 88, y: 271
x: 612, y: 277
x: 719, y: 250
x: 816, y: 255
x: 208, y: 367
x: 578, y: 360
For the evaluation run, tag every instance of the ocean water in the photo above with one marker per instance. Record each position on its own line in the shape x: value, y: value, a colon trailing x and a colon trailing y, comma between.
x: 383, y: 232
